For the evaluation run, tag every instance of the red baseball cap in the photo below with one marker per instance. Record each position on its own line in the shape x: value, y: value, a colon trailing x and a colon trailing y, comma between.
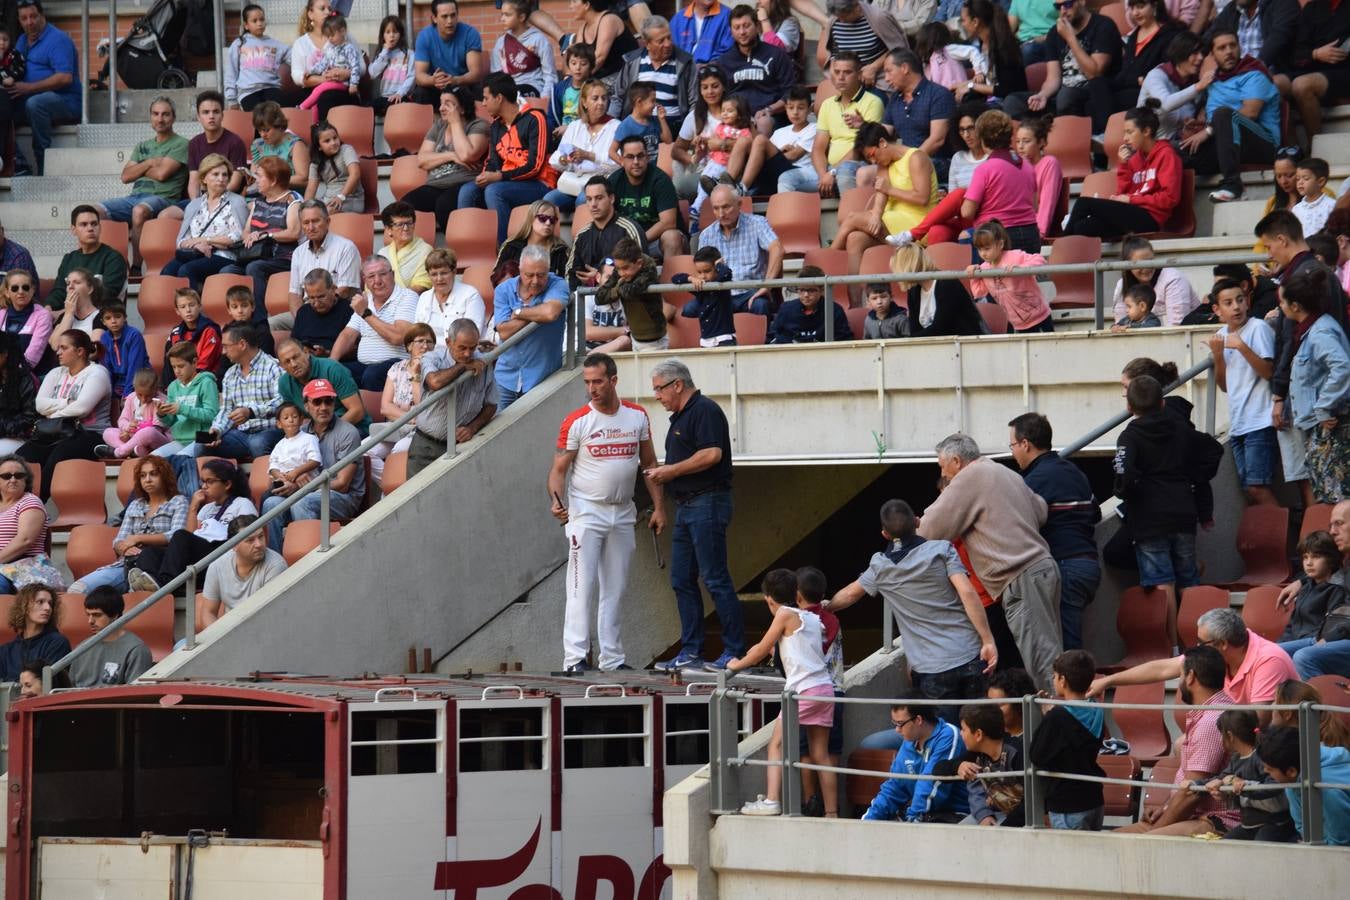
x: 319, y: 387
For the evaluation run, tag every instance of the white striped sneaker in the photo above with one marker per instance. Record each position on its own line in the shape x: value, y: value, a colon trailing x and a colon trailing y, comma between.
x: 762, y: 807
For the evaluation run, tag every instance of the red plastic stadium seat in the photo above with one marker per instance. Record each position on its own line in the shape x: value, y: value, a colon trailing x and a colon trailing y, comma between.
x: 473, y: 234
x: 1262, y: 542
x: 1070, y: 141
x: 89, y: 547
x: 1334, y: 693
x: 155, y: 625
x: 1116, y: 13
x: 860, y: 790
x: 751, y: 329
x: 241, y: 123
x: 126, y: 479
x: 831, y: 262
x: 684, y: 332
x: 356, y: 126
x: 672, y: 266
x: 1181, y: 224
x: 951, y: 257
x: 1315, y: 518
x: 358, y: 228
x: 1164, y: 772
x: 1195, y: 601
x: 259, y: 480
x: 795, y: 218
x: 372, y: 401
x: 159, y: 243
x: 395, y: 472
x: 1115, y: 134
x: 156, y: 300
x: 1074, y: 291
x: 370, y: 185
x: 406, y: 175
x: 1098, y: 184
x: 856, y: 318
x: 1144, y: 729
x: 1141, y: 622
x: 302, y: 536
x: 406, y: 126
x: 1262, y: 613
x: 278, y: 293
x: 994, y: 317
x: 301, y: 121
x: 1121, y: 800
x: 213, y: 294
x: 1036, y: 76
x: 853, y: 200
x: 77, y: 491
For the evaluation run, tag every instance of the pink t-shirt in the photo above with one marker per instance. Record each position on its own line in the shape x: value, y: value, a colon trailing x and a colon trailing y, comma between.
x: 1020, y: 296
x: 1049, y: 183
x: 1003, y: 191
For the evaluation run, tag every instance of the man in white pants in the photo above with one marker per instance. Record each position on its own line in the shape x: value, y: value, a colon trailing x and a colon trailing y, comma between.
x: 602, y: 443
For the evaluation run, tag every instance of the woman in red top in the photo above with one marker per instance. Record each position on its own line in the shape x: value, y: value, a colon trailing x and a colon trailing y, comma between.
x: 1148, y: 181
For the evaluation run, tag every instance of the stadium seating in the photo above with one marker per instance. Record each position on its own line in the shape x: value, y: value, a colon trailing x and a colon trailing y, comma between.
x: 301, y: 121
x: 994, y: 317
x: 835, y: 262
x: 1182, y: 222
x: 358, y: 228
x: 370, y: 185
x: 356, y: 126
x: 213, y: 295
x: 856, y: 318
x: 1334, y: 692
x: 1070, y: 141
x: 1036, y: 76
x: 1116, y: 13
x: 241, y: 123
x: 1142, y: 623
x: 278, y: 293
x: 89, y: 547
x: 154, y: 626
x: 672, y: 266
x: 1164, y: 772
x: 117, y: 235
x: 77, y: 491
x: 406, y: 126
x: 1262, y: 541
x: 1121, y: 800
x: 156, y: 300
x: 372, y: 400
x: 684, y: 331
x: 1262, y: 612
x: 480, y: 279
x: 259, y: 480
x: 795, y: 218
x: 395, y: 472
x: 1315, y: 518
x: 1074, y: 291
x: 473, y: 233
x: 159, y: 243
x: 155, y: 339
x: 1144, y: 729
x: 1194, y: 602
x: 751, y: 329
x: 302, y: 536
x: 126, y: 480
x: 406, y: 176
x: 859, y: 790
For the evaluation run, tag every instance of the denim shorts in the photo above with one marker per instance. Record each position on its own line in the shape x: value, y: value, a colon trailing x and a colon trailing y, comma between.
x: 1254, y: 456
x: 119, y: 208
x: 1167, y: 560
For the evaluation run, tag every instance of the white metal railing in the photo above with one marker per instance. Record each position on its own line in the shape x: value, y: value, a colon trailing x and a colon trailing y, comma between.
x: 725, y: 760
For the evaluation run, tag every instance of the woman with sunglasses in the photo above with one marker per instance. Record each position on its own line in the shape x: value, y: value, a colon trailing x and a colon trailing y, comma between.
x: 155, y: 513
x: 78, y: 391
x: 29, y: 322
x: 541, y: 226
x: 222, y: 498
x: 701, y: 122
x: 23, y: 518
x: 18, y: 392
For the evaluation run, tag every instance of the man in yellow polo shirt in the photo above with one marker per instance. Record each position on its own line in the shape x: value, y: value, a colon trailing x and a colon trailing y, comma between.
x: 837, y: 125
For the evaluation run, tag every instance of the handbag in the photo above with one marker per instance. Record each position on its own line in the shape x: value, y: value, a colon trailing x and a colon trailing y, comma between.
x: 49, y: 431
x: 264, y: 247
x: 33, y: 570
x: 187, y: 255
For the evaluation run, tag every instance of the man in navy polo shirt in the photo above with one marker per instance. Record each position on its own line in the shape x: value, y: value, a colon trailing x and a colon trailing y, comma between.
x: 759, y: 72
x: 535, y: 295
x: 919, y: 111
x: 50, y: 93
x: 447, y: 53
x: 697, y: 473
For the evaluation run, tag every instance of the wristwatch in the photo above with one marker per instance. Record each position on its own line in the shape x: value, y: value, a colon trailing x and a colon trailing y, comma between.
x: 367, y: 313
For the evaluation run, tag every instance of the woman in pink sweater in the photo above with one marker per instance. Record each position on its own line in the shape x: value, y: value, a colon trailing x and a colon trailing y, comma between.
x: 1032, y: 136
x: 1019, y: 295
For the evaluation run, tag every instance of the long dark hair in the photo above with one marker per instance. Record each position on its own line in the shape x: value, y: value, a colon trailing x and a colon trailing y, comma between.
x: 1129, y: 245
x: 1307, y: 288
x: 232, y: 475
x: 1003, y: 49
x: 701, y: 107
x: 327, y: 165
x: 13, y: 372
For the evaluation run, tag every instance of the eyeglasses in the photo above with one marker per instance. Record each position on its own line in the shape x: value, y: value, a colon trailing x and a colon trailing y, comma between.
x: 1289, y: 153
x: 12, y: 476
x: 211, y: 481
x: 634, y: 156
x: 903, y: 722
x: 964, y: 129
x: 661, y: 387
x: 710, y: 70
x: 323, y: 401
x: 20, y: 287
x: 1065, y: 4
x: 401, y: 226
x: 546, y: 218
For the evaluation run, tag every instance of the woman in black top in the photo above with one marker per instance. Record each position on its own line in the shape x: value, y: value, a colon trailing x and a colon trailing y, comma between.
x: 988, y: 24
x: 34, y: 618
x: 1145, y: 49
x: 607, y: 34
x: 936, y: 307
x: 18, y: 391
x: 541, y: 226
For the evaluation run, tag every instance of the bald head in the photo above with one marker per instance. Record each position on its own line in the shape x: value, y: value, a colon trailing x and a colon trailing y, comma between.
x: 1340, y: 526
x: 726, y: 205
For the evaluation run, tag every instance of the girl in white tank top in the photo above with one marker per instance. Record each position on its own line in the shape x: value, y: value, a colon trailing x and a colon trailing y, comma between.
x: 799, y: 636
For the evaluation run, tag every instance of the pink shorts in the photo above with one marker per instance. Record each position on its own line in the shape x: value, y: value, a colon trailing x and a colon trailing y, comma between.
x: 815, y: 712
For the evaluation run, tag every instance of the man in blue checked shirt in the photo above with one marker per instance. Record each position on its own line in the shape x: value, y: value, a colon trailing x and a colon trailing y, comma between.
x: 535, y: 295
x: 246, y: 426
x: 748, y: 245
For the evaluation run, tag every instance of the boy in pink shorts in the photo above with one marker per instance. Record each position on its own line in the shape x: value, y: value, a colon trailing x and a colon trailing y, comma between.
x: 798, y: 633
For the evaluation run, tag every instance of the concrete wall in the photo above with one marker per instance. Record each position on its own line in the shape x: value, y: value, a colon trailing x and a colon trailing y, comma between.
x: 425, y: 567
x: 886, y: 401
x: 818, y: 858
x: 775, y: 508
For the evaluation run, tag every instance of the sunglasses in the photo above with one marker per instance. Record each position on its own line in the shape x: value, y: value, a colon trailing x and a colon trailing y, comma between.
x: 323, y: 401
x: 546, y: 218
x: 1289, y: 153
x: 11, y: 476
x: 1065, y: 4
x: 21, y: 287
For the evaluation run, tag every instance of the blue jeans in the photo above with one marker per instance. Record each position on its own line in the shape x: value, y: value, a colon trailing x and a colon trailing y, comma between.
x: 698, y: 548
x: 369, y: 376
x: 561, y: 199
x: 198, y: 270
x: 340, y: 506
x: 889, y: 739
x: 501, y: 197
x: 112, y: 575
x: 234, y: 444
x: 1312, y: 659
x: 964, y: 682
x: 120, y: 208
x: 42, y: 112
x: 505, y: 397
x: 1169, y: 559
x: 1088, y: 820
x: 804, y: 179
x: 1034, y: 52
x: 6, y: 586
x: 1254, y: 456
x: 1078, y: 582
x: 761, y: 306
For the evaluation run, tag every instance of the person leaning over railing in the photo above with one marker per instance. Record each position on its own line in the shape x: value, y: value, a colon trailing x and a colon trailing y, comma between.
x: 1279, y: 752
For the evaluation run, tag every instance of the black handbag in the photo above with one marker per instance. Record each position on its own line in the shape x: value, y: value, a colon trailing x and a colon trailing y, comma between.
x: 186, y: 255
x: 264, y: 247
x: 49, y: 431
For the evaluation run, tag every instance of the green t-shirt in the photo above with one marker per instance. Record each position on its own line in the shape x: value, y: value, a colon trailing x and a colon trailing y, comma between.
x: 644, y: 203
x: 105, y: 261
x: 1035, y: 18
x: 176, y: 148
x: 337, y: 375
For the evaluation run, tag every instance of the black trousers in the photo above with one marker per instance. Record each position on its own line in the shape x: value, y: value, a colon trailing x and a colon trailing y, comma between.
x: 166, y: 563
x: 1109, y: 220
x: 440, y: 200
x: 1222, y: 154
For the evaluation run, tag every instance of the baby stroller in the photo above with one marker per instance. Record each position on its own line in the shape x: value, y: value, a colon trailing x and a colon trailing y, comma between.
x: 149, y: 57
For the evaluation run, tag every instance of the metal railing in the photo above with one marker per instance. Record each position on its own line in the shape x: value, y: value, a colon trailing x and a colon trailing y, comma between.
x: 1098, y: 269
x: 725, y: 761
x: 574, y: 346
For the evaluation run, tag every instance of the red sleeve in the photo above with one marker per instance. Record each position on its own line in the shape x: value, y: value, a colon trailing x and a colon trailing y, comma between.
x: 208, y: 350
x: 1125, y: 175
x: 1169, y: 182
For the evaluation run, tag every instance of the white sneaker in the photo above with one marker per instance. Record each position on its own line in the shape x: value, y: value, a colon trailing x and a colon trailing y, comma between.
x: 762, y: 807
x: 903, y: 239
x: 1222, y: 195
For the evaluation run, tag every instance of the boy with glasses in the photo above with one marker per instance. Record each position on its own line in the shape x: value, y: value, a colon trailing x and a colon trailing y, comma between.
x: 928, y: 742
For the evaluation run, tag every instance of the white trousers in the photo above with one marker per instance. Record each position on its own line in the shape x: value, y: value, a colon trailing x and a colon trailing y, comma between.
x: 601, y: 540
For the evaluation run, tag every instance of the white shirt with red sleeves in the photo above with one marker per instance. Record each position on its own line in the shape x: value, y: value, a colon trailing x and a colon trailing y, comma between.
x: 605, y: 468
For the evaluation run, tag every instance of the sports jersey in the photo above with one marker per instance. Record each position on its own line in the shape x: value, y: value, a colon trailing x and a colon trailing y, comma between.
x: 606, y: 464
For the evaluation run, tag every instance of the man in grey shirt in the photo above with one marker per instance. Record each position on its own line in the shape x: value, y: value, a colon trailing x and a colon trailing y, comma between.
x: 946, y: 637
x: 475, y: 396
x: 234, y: 578
x: 119, y: 659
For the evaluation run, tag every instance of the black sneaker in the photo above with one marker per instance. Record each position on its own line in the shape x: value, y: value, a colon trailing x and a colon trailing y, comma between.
x: 707, y: 182
x: 815, y: 807
x: 104, y: 451
x: 577, y: 669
